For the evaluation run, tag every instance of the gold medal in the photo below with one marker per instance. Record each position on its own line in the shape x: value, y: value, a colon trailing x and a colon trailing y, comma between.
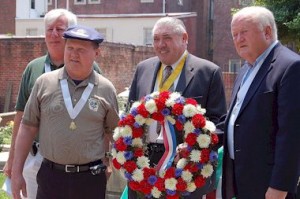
x: 73, y: 126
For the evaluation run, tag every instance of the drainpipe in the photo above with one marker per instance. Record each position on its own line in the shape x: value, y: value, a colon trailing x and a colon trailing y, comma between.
x: 164, y: 6
x: 55, y: 6
x: 67, y: 6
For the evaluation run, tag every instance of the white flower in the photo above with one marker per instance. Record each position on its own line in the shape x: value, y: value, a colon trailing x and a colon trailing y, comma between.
x: 117, y: 133
x: 171, y: 119
x: 181, y: 163
x: 201, y: 110
x: 137, y: 142
x: 120, y: 157
x: 171, y: 101
x: 126, y: 131
x: 150, y: 106
x: 188, y: 127
x: 203, y: 140
x: 187, y: 176
x: 189, y: 110
x: 143, y: 162
x: 207, y: 170
x: 134, y: 105
x: 155, y: 192
x: 114, y: 152
x: 138, y: 175
x: 149, y: 121
x: 140, y: 119
x: 210, y: 126
x: 195, y: 155
x: 155, y: 94
x: 170, y: 183
x: 191, y: 187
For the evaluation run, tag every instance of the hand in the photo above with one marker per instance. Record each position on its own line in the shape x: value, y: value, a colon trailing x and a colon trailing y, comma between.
x: 108, y: 172
x: 275, y: 194
x: 18, y: 184
x: 7, y: 168
x: 181, y: 152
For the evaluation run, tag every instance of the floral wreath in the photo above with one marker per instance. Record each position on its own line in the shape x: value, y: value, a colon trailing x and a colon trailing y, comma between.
x: 197, y: 160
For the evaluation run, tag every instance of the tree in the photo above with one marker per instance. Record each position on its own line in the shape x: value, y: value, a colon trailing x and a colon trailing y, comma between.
x: 287, y: 16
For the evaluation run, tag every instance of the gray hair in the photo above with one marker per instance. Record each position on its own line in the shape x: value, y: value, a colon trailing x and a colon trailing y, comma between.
x: 177, y: 25
x: 54, y: 14
x: 260, y: 15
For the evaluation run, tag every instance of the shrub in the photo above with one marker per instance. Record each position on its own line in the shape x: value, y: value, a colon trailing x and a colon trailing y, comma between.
x: 5, y: 133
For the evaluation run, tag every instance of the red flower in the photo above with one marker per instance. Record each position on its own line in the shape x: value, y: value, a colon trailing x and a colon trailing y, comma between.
x: 176, y: 196
x: 160, y: 104
x: 181, y: 185
x: 184, y: 153
x: 134, y: 185
x: 191, y: 167
x: 148, y: 172
x: 116, y: 164
x: 191, y: 101
x: 160, y: 184
x: 158, y: 116
x: 141, y: 109
x: 191, y: 139
x: 198, y: 121
x: 177, y: 109
x: 129, y: 166
x: 178, y: 125
x: 170, y: 173
x: 164, y: 95
x: 120, y: 145
x: 137, y: 132
x: 138, y: 152
x: 199, y: 181
x: 214, y: 139
x: 204, y: 155
x: 145, y: 187
x: 128, y: 120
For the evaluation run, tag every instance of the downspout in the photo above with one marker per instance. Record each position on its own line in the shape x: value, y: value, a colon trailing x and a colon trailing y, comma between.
x: 67, y: 6
x: 164, y: 6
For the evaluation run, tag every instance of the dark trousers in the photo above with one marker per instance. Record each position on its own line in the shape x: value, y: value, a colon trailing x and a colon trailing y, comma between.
x: 56, y: 184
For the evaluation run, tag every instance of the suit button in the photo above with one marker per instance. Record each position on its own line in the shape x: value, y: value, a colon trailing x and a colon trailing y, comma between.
x: 237, y: 125
x: 237, y: 150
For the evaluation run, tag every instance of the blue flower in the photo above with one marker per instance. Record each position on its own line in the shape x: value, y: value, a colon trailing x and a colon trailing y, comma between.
x: 178, y: 172
x: 197, y: 131
x: 128, y: 175
x: 134, y: 111
x: 200, y: 166
x: 127, y: 140
x: 128, y: 155
x: 170, y: 192
x: 152, y: 180
x: 165, y: 112
x: 213, y: 156
x: 136, y: 125
x: 182, y: 119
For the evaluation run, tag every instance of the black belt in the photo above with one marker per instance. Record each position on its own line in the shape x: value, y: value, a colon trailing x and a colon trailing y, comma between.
x: 156, y: 147
x: 71, y: 168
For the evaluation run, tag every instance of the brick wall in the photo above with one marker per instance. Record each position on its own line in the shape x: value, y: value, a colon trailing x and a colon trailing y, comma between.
x: 8, y: 15
x: 117, y: 61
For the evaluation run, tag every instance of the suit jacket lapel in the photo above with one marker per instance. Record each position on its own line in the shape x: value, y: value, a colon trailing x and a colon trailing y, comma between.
x: 186, y: 76
x: 154, y: 75
x: 261, y: 74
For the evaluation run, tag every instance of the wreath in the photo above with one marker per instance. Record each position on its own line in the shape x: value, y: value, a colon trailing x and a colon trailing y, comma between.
x: 196, y: 161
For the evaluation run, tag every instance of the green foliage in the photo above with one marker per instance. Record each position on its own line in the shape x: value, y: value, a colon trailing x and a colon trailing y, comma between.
x: 3, y: 195
x: 5, y: 133
x: 287, y: 16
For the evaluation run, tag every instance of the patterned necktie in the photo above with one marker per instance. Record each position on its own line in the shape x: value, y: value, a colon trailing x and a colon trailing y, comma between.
x: 166, y: 74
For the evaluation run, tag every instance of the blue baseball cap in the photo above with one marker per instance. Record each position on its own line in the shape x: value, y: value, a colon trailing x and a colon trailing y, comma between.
x: 83, y: 33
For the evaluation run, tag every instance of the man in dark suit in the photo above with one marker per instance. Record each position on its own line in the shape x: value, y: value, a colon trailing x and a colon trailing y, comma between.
x: 261, y: 147
x: 191, y: 76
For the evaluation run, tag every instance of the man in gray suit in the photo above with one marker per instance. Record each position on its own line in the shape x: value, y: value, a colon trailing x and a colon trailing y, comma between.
x: 191, y: 76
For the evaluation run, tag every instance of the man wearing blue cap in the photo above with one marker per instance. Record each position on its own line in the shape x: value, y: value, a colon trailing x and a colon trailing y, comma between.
x: 74, y: 109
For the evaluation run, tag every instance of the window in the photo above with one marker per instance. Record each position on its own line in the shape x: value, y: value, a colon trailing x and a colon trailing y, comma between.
x: 79, y: 2
x: 246, y: 2
x: 49, y: 2
x: 148, y: 39
x: 234, y: 65
x: 102, y: 31
x: 147, y: 1
x: 31, y: 32
x: 94, y: 1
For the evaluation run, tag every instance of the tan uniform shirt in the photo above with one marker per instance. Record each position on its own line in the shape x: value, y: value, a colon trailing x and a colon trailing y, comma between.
x: 46, y: 109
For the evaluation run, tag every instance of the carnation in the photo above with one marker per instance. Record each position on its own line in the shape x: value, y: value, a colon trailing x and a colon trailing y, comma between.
x: 170, y: 183
x: 143, y: 162
x: 155, y: 192
x: 188, y: 127
x: 151, y: 106
x: 189, y: 110
x: 126, y: 131
x: 191, y: 187
x: 181, y: 163
x: 207, y: 170
x: 140, y: 119
x: 195, y: 155
x: 187, y: 176
x: 203, y: 140
x: 120, y: 157
x: 210, y: 126
x: 137, y: 142
x: 137, y: 175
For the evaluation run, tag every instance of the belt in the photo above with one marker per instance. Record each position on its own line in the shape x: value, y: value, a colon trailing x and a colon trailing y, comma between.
x: 156, y: 147
x: 71, y: 168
